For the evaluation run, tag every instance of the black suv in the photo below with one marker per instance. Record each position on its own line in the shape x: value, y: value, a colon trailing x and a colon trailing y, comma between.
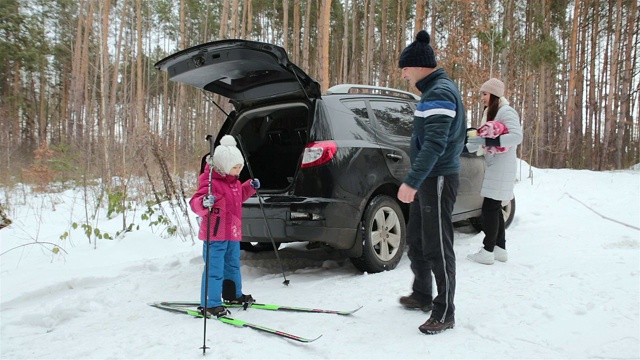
x: 330, y: 164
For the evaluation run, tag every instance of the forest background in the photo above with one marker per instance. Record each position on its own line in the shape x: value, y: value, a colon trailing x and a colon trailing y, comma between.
x: 80, y: 98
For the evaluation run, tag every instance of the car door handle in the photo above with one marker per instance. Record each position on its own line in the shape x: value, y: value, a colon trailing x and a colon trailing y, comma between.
x: 395, y: 157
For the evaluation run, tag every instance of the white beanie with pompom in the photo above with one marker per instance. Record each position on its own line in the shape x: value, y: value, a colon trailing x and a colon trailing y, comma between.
x: 227, y: 155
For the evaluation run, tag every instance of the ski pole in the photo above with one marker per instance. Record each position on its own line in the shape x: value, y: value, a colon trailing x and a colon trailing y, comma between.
x: 264, y: 215
x: 206, y: 260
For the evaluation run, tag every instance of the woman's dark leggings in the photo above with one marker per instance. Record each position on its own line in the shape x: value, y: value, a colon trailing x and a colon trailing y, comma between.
x: 493, y: 224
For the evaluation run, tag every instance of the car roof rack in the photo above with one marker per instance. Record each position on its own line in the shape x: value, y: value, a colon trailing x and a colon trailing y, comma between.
x: 369, y: 89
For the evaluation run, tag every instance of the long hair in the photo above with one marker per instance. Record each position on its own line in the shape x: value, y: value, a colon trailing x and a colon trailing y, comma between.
x: 492, y: 109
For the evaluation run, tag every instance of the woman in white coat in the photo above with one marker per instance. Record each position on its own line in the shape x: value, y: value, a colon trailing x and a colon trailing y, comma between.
x: 498, y: 137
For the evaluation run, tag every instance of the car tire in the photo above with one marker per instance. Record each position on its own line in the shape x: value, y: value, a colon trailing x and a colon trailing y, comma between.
x: 508, y: 211
x: 256, y: 247
x: 383, y: 235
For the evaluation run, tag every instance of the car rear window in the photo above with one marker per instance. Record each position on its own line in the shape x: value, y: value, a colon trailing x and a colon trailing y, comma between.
x: 359, y: 108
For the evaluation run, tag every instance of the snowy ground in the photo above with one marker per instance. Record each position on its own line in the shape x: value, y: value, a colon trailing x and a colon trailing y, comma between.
x: 571, y: 288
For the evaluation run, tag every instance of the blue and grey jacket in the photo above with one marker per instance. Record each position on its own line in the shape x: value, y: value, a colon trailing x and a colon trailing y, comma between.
x: 439, y: 128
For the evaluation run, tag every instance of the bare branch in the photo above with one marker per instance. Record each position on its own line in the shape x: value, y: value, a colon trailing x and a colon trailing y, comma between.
x: 37, y: 243
x: 602, y: 216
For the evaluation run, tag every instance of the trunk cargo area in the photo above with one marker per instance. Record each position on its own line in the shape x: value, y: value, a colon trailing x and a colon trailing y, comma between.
x: 274, y: 139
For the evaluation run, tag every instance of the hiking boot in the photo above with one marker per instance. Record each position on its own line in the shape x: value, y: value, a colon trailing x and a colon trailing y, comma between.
x: 434, y: 326
x: 411, y: 302
x: 500, y: 254
x: 482, y: 257
x: 217, y: 311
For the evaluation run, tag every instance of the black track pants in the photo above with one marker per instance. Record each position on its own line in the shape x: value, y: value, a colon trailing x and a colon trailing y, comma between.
x: 430, y: 239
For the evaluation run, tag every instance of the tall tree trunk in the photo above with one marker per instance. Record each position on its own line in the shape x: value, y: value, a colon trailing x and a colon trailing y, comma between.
x: 285, y: 24
x: 636, y: 126
x: 578, y: 145
x: 618, y: 84
x: 626, y: 107
x: 245, y: 21
x: 249, y: 4
x: 105, y: 105
x: 366, y: 62
x: 506, y: 55
x: 76, y: 76
x: 295, y: 49
x: 612, y: 119
x: 84, y: 73
x: 385, y: 69
x: 15, y: 109
x: 58, y: 135
x: 140, y: 95
x: 371, y: 42
x: 602, y: 112
x: 571, y: 137
x: 420, y: 15
x: 234, y: 19
x: 179, y: 118
x: 434, y: 11
x: 354, y: 68
x: 593, y: 122
x: 543, y: 88
x: 90, y: 128
x: 29, y: 132
x: 80, y: 74
x: 224, y: 20
x: 116, y: 75
x: 400, y: 40
x: 42, y: 111
x: 307, y: 35
x: 324, y: 28
x: 345, y: 44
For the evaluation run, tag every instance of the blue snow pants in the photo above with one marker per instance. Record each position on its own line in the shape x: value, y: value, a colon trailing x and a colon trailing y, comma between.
x: 224, y: 264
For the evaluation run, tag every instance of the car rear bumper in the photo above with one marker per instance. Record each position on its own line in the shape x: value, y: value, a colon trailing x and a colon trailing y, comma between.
x: 335, y: 223
x: 255, y: 230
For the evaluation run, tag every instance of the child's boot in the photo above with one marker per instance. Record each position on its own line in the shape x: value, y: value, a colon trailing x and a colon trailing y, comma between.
x: 229, y: 295
x: 217, y: 311
x: 245, y: 300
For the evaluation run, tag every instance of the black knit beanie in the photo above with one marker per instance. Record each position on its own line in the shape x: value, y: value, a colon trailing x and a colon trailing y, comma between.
x: 419, y: 53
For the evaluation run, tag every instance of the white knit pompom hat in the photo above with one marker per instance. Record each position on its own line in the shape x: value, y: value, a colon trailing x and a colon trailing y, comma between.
x: 227, y: 155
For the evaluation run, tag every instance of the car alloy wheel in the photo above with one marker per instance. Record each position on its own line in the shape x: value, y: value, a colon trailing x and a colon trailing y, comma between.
x: 383, y: 235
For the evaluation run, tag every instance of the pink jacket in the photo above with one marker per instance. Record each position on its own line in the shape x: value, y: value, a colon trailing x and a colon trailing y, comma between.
x: 493, y: 129
x: 226, y: 217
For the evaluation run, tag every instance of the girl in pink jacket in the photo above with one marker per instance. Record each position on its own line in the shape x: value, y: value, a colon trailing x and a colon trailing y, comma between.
x: 223, y: 208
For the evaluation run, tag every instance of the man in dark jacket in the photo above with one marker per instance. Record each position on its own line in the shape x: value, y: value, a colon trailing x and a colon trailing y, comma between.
x: 431, y: 186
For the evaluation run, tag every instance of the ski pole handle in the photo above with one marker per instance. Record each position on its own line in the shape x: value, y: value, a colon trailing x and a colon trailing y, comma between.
x: 211, y: 140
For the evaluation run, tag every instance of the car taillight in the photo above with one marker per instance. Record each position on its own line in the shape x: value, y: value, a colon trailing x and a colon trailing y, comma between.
x: 318, y: 153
